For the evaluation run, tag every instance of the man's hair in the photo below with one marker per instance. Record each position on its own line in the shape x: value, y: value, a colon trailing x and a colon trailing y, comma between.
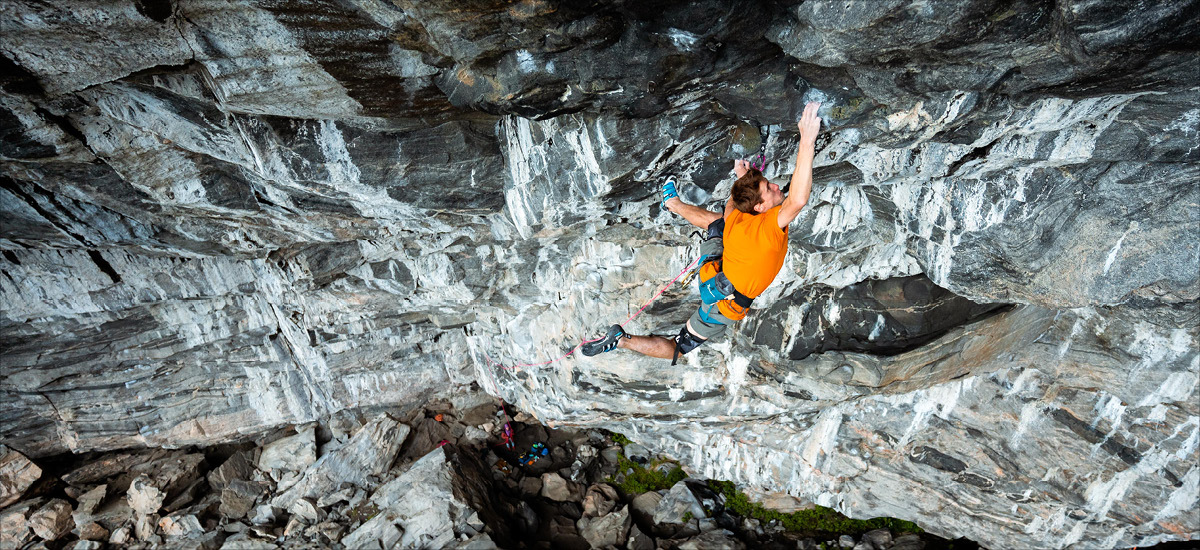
x: 746, y: 193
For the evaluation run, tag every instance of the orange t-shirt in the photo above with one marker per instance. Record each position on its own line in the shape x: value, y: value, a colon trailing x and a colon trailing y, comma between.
x: 755, y: 247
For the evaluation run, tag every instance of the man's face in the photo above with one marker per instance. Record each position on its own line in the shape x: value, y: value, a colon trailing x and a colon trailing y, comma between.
x: 772, y: 195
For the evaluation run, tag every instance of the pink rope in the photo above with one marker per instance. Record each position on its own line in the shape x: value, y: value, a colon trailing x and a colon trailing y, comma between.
x: 576, y: 348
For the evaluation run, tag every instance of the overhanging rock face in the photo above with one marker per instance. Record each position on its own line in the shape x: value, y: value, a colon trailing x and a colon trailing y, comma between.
x: 221, y: 218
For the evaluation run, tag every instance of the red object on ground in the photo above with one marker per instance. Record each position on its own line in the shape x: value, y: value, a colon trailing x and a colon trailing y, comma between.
x: 438, y: 417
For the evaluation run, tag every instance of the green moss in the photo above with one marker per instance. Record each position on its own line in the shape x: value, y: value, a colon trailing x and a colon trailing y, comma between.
x: 815, y: 520
x: 643, y: 479
x: 687, y: 516
x: 620, y: 439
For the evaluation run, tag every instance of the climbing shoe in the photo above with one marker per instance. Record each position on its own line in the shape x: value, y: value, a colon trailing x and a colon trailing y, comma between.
x: 668, y: 191
x: 608, y: 343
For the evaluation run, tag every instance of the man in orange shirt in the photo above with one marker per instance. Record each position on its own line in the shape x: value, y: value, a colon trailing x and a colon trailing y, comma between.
x: 742, y: 252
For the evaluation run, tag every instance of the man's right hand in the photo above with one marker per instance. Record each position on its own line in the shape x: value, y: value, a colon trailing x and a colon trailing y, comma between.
x: 740, y: 167
x: 810, y: 123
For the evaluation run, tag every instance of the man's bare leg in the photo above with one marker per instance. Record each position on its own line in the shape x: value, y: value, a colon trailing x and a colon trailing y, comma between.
x: 653, y: 346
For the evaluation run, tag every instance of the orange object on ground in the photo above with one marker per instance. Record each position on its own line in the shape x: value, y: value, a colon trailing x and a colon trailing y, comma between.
x: 438, y: 417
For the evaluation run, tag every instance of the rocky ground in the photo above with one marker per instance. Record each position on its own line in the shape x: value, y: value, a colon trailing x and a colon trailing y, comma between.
x: 442, y: 477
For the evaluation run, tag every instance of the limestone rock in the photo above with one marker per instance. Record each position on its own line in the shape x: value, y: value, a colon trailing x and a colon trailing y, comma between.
x: 609, y: 530
x: 713, y: 540
x: 92, y: 531
x: 52, y: 520
x: 223, y: 219
x: 17, y: 473
x: 599, y: 500
x: 238, y: 466
x: 676, y: 513
x: 554, y: 487
x: 143, y: 496
x: 369, y: 453
x: 15, y: 528
x: 180, y: 526
x: 293, y: 453
x: 238, y: 498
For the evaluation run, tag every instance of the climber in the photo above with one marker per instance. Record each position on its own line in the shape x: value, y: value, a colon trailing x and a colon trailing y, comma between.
x: 742, y: 252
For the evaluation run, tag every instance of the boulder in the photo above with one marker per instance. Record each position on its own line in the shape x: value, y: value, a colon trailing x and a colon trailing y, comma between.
x: 87, y: 503
x: 554, y: 487
x: 17, y: 473
x: 676, y: 515
x: 143, y: 496
x: 530, y: 486
x: 369, y: 453
x: 609, y: 530
x: 879, y: 538
x: 293, y: 453
x: 93, y: 531
x: 306, y: 510
x: 639, y: 540
x: 238, y: 498
x: 52, y: 520
x: 180, y: 526
x: 637, y: 453
x: 846, y: 541
x: 14, y: 523
x: 713, y: 540
x: 907, y: 542
x: 599, y: 500
x: 238, y: 466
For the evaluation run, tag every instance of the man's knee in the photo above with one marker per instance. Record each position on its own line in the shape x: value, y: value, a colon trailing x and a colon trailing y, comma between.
x: 685, y: 341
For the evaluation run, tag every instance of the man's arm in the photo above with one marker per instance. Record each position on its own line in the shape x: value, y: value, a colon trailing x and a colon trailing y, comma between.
x: 801, y: 186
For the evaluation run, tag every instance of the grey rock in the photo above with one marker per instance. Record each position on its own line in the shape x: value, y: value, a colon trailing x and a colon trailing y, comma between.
x: 554, y: 487
x: 238, y: 498
x: 864, y: 545
x: 87, y: 545
x: 264, y: 514
x: 87, y: 504
x: 639, y: 540
x: 907, y: 542
x: 220, y: 220
x: 17, y: 473
x: 846, y: 541
x: 531, y: 486
x: 52, y: 520
x: 119, y: 536
x: 143, y: 496
x: 637, y: 453
x: 609, y: 530
x: 713, y: 540
x: 610, y: 454
x: 879, y: 538
x: 180, y: 526
x: 369, y: 453
x: 238, y: 466
x: 306, y: 510
x: 677, y: 513
x: 15, y: 528
x: 293, y: 453
x: 599, y: 500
